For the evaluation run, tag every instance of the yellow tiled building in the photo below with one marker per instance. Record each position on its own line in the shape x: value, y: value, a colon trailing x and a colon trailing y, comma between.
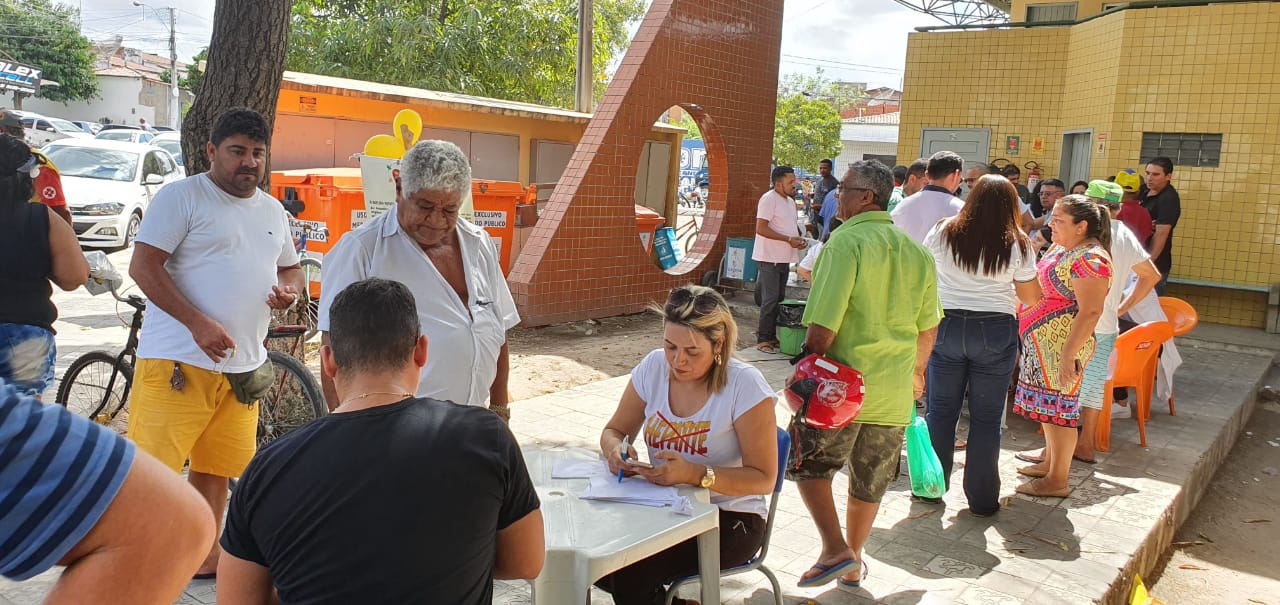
x: 1080, y: 98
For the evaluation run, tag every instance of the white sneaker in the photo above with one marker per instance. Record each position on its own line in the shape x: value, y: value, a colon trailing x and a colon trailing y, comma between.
x: 1121, y: 411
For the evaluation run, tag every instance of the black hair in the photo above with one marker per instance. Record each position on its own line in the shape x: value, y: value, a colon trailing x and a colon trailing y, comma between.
x: 16, y: 187
x: 919, y: 167
x: 899, y: 174
x: 827, y: 162
x: 943, y: 163
x: 781, y: 172
x: 1052, y: 183
x: 1163, y: 162
x: 373, y: 326
x: 240, y: 120
x: 1009, y: 169
x: 1097, y: 219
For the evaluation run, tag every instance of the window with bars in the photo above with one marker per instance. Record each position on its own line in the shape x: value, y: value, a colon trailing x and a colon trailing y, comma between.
x: 1058, y: 11
x: 1185, y: 149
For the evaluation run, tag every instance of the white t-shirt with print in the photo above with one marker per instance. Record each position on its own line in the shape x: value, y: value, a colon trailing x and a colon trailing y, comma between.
x: 224, y: 252
x: 959, y: 288
x: 708, y: 436
x: 1126, y: 251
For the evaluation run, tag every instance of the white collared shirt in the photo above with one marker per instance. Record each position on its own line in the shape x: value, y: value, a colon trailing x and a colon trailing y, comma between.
x: 462, y: 346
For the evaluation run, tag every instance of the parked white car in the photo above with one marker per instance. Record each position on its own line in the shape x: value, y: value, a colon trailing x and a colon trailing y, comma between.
x: 171, y: 142
x: 109, y: 185
x: 41, y: 129
x: 130, y: 135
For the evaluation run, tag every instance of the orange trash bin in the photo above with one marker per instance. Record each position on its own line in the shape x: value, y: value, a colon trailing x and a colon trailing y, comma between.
x: 647, y: 223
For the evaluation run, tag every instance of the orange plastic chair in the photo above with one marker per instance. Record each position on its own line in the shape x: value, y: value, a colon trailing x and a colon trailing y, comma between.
x: 1134, y: 365
x: 1184, y: 319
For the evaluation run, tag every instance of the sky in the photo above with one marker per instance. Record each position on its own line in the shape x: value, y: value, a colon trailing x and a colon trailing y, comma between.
x: 850, y: 40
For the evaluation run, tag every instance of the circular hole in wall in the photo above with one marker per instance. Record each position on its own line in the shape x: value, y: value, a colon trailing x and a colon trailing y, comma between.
x: 674, y: 191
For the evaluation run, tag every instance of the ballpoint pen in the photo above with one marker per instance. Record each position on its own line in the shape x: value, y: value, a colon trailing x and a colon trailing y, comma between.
x: 624, y: 457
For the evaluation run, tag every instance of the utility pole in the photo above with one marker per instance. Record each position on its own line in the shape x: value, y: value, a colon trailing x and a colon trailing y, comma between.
x: 586, y: 73
x: 174, y: 118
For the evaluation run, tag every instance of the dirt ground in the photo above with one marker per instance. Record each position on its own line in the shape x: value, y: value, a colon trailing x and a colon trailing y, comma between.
x: 1228, y: 551
x: 558, y: 357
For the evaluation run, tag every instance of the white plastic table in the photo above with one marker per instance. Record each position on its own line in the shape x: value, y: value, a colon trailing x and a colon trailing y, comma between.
x: 587, y: 540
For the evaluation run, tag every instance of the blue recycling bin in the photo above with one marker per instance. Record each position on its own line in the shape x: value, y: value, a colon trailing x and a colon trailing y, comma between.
x: 664, y: 241
x: 738, y: 264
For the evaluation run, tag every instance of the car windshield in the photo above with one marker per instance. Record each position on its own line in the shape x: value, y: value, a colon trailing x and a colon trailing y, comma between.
x: 173, y: 147
x: 65, y: 125
x: 116, y: 135
x: 88, y: 162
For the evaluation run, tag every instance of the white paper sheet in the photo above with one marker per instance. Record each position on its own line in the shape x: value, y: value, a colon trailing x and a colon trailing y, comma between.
x: 579, y: 469
x: 631, y: 490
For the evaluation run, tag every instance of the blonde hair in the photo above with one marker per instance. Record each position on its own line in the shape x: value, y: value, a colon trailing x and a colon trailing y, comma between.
x: 704, y: 311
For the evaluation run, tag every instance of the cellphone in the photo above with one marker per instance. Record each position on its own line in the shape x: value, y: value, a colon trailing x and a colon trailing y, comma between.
x: 639, y: 463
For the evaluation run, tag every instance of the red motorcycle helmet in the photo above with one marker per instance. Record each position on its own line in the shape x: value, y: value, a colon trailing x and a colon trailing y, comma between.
x: 825, y: 393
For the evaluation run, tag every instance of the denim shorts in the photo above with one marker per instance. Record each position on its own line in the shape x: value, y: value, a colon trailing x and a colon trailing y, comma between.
x: 26, y: 358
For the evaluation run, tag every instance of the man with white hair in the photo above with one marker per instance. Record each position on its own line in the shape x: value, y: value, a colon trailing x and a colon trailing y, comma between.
x: 452, y: 268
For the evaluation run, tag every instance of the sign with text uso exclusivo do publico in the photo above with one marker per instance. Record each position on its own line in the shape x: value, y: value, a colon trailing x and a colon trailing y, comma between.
x: 19, y: 77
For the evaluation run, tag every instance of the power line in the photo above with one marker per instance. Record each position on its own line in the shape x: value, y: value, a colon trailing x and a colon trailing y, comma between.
x: 846, y: 63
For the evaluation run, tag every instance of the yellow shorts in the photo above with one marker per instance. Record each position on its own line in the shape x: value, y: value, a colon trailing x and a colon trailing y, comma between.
x: 204, y: 421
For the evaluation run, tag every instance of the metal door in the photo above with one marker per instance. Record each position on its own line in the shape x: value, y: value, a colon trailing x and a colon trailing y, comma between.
x: 972, y: 144
x: 1077, y: 152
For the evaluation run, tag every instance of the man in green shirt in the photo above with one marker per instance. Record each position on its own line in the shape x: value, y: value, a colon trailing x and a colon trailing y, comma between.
x: 873, y: 307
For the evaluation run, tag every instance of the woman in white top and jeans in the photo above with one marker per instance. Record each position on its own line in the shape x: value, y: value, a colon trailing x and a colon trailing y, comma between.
x: 986, y: 264
x: 707, y: 419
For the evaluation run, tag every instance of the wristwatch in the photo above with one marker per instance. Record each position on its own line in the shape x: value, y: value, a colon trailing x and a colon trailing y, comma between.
x: 709, y: 479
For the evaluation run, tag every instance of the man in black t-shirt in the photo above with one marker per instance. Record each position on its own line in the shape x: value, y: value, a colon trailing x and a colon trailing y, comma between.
x: 1162, y: 201
x: 826, y: 184
x: 389, y: 499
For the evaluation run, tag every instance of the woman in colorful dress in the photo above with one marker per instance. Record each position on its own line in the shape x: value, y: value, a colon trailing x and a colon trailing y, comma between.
x: 1057, y: 336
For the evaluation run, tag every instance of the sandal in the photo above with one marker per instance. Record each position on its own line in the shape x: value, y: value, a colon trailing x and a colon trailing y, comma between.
x: 1026, y: 457
x: 829, y: 572
x: 1028, y: 471
x: 767, y: 347
x: 855, y: 583
x: 1030, y: 489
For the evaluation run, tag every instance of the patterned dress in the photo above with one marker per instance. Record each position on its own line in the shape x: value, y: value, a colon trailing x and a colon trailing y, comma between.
x: 1044, y: 328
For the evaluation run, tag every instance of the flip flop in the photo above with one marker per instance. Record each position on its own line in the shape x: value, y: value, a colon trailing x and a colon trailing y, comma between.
x: 1084, y: 460
x: 961, y: 444
x: 766, y: 347
x: 1027, y: 489
x: 1026, y: 471
x: 213, y: 575
x: 855, y: 583
x: 1025, y: 457
x: 829, y: 573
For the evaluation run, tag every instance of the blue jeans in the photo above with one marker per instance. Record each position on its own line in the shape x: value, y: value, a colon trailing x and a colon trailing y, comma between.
x: 27, y: 355
x: 974, y: 352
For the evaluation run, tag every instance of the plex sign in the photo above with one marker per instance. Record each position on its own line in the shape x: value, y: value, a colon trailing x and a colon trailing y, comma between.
x: 19, y: 77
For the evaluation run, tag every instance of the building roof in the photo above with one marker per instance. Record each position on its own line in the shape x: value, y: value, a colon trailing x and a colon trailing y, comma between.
x: 883, y: 118
x: 346, y: 87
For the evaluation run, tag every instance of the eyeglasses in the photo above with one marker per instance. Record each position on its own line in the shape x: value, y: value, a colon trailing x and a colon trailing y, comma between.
x: 703, y: 302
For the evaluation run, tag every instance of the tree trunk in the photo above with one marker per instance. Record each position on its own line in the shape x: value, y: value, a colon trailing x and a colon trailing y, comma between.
x: 244, y: 69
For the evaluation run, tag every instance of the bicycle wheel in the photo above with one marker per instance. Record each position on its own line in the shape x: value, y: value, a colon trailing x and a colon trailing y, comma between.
x: 295, y: 399
x: 84, y: 391
x: 309, y: 308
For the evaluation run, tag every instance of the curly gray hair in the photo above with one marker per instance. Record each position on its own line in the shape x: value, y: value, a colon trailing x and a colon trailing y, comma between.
x: 436, y: 165
x: 874, y: 177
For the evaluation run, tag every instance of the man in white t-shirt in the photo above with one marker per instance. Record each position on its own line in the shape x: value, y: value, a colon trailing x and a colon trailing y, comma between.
x: 777, y: 239
x: 214, y: 256
x: 1129, y: 259
x: 918, y: 213
x: 452, y: 268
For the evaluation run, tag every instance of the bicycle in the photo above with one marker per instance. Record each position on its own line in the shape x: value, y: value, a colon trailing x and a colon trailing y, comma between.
x: 688, y: 232
x: 309, y: 306
x: 97, y: 384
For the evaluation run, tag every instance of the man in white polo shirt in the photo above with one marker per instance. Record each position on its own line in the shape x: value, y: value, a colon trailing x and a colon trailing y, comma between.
x: 920, y: 212
x: 450, y: 265
x: 777, y: 239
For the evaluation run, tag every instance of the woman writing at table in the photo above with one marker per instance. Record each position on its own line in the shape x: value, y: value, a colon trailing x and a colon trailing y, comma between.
x: 707, y: 419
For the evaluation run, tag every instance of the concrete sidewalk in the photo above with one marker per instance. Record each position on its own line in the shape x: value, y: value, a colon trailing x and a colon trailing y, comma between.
x: 1082, y: 549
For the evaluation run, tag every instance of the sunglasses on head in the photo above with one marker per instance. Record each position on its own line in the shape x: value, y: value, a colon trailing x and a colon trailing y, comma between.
x: 703, y: 302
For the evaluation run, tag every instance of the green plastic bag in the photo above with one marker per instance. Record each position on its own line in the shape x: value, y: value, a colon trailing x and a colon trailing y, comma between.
x: 926, y: 470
